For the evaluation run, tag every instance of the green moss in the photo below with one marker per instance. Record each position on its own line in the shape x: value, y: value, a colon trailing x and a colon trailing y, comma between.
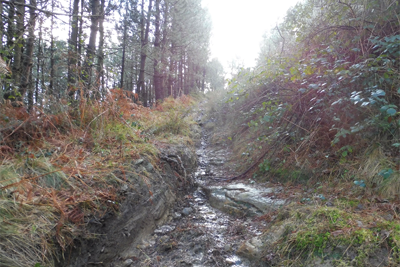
x: 331, y: 233
x: 312, y: 240
x: 334, y: 216
x: 348, y: 203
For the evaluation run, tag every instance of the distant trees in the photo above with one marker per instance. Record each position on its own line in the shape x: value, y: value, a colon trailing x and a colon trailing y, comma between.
x: 152, y: 48
x: 214, y: 75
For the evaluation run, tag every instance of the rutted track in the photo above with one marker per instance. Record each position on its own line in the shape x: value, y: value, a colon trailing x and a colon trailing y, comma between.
x: 198, y: 234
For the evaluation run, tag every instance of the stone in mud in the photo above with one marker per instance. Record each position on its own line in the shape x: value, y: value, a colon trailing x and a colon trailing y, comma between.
x: 187, y: 211
x: 164, y: 229
x: 242, y: 199
x: 139, y: 161
x: 217, y: 161
x: 127, y: 263
x: 250, y: 249
x: 149, y: 167
x: 177, y: 215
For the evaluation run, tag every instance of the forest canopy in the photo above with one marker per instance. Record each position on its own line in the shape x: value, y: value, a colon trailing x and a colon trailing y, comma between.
x: 77, y: 49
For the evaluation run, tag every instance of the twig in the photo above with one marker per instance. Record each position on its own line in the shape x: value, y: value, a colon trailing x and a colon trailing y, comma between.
x: 296, y: 125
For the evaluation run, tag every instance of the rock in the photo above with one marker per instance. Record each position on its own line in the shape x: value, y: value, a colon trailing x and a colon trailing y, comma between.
x: 388, y: 217
x: 250, y: 249
x: 149, y: 167
x: 187, y: 211
x: 360, y: 207
x: 199, y: 201
x: 164, y: 229
x: 230, y: 261
x: 177, y: 215
x: 124, y: 188
x: 127, y: 263
x: 329, y: 204
x: 139, y: 161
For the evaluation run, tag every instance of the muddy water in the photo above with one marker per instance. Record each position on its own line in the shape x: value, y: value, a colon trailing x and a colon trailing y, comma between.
x: 214, y: 225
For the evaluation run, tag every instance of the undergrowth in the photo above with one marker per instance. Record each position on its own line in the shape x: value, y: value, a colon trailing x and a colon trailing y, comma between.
x: 60, y: 168
x: 340, y: 236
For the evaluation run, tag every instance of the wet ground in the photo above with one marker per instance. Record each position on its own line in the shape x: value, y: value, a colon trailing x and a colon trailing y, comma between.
x: 214, y: 225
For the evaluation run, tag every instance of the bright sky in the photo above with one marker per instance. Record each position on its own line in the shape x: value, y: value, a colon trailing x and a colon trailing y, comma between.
x: 238, y: 26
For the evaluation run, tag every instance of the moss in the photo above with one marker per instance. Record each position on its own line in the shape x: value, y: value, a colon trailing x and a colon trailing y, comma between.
x: 347, y: 203
x: 334, y: 234
x: 334, y: 216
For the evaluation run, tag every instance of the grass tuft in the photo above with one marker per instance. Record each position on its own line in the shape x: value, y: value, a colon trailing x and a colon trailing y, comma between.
x: 61, y: 167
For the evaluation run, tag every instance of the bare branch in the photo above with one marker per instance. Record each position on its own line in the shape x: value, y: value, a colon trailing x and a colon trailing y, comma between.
x: 46, y: 12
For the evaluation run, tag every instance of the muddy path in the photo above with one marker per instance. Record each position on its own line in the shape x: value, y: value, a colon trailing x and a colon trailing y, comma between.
x: 213, y: 225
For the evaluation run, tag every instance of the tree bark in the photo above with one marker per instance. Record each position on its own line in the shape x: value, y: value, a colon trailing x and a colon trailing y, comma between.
x: 124, y: 41
x: 38, y: 64
x: 157, y: 55
x: 91, y: 48
x: 51, y: 84
x: 100, y: 56
x: 27, y: 62
x: 1, y: 29
x: 10, y: 29
x: 145, y: 26
x: 17, y: 63
x: 73, y: 49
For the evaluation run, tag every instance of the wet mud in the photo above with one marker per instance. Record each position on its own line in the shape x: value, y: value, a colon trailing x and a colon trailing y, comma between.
x: 214, y: 225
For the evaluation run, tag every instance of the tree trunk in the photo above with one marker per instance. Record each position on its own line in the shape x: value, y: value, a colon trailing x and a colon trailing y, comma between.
x: 100, y: 56
x: 164, y: 49
x: 203, y: 82
x: 91, y: 48
x: 17, y: 63
x: 73, y: 49
x: 157, y: 55
x: 38, y: 64
x: 143, y: 54
x: 124, y: 41
x: 51, y: 84
x: 1, y: 48
x: 1, y: 29
x: 27, y: 62
x: 10, y: 29
x: 180, y: 75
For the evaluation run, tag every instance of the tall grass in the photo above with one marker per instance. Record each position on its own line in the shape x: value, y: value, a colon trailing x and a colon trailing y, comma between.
x: 59, y: 167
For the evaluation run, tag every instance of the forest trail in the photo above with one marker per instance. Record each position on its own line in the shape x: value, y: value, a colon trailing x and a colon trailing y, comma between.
x: 214, y: 225
x: 248, y: 223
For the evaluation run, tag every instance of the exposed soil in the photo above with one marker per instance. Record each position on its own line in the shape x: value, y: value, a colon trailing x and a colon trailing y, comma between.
x: 178, y: 225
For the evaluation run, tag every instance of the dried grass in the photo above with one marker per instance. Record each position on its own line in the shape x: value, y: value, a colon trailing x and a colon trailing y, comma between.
x: 372, y: 165
x: 58, y: 167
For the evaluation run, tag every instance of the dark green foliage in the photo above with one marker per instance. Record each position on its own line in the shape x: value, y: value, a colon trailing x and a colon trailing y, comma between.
x: 327, y: 85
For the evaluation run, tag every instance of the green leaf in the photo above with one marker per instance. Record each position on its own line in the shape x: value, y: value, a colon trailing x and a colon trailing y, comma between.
x: 378, y: 92
x: 386, y: 173
x: 396, y: 145
x: 391, y: 111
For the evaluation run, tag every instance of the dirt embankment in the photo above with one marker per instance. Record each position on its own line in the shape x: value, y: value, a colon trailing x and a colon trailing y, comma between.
x: 146, y: 205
